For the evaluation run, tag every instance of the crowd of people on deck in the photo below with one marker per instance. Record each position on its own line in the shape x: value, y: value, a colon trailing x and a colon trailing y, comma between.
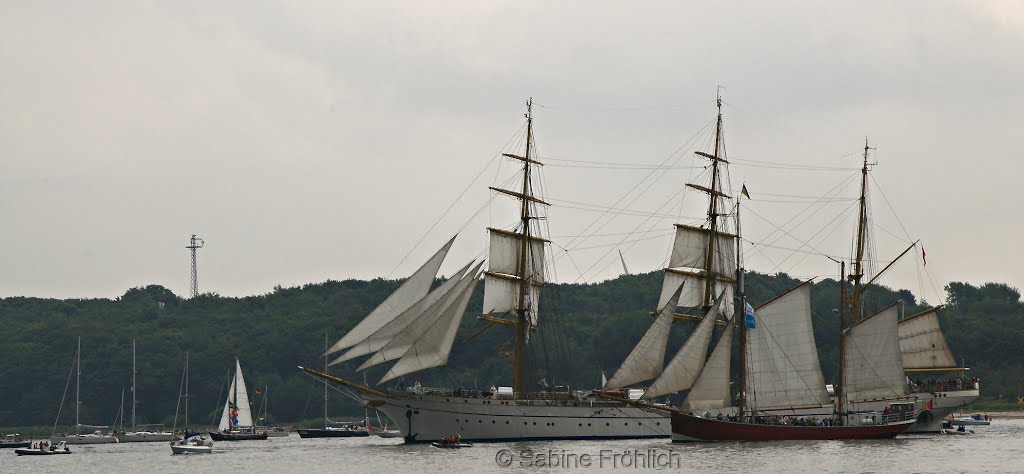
x: 777, y: 420
x: 941, y: 385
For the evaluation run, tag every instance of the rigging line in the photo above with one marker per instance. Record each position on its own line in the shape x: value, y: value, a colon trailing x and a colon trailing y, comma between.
x: 782, y: 163
x: 623, y: 212
x: 847, y: 213
x: 675, y: 155
x: 611, y: 163
x: 450, y: 206
x: 622, y: 167
x: 830, y: 193
x: 883, y: 229
x: 805, y: 243
x: 788, y: 168
x: 665, y: 234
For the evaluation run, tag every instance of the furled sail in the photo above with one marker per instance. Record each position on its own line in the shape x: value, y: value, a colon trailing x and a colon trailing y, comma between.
x: 408, y: 293
x: 684, y: 367
x: 379, y: 339
x: 922, y: 344
x: 783, y: 370
x: 400, y: 344
x: 647, y: 359
x: 434, y: 345
x: 873, y: 363
x: 712, y: 388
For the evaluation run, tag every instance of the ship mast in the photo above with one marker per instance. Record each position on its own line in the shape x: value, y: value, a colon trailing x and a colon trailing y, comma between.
x: 523, y: 316
x: 709, y: 275
x: 857, y: 309
x: 740, y: 312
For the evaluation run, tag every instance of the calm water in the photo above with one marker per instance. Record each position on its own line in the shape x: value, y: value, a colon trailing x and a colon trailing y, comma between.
x: 996, y: 448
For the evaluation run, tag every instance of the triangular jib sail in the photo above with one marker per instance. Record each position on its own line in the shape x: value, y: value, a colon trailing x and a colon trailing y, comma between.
x: 647, y: 360
x: 712, y: 389
x: 237, y: 412
x: 408, y: 293
x: 682, y: 370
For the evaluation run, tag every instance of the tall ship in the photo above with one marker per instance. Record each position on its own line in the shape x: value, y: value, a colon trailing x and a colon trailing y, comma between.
x: 415, y: 328
x: 236, y: 422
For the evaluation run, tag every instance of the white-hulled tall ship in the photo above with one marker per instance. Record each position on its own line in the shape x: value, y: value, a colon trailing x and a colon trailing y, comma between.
x: 415, y: 328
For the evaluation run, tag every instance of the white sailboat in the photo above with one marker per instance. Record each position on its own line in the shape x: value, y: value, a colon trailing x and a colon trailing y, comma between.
x: 190, y: 443
x: 149, y: 433
x: 414, y: 328
x: 97, y: 436
x: 236, y: 422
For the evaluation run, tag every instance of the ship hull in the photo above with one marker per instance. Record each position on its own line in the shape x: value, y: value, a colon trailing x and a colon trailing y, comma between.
x: 144, y: 437
x: 322, y: 433
x: 15, y: 444
x: 424, y: 419
x: 691, y: 428
x: 218, y: 436
x: 84, y: 439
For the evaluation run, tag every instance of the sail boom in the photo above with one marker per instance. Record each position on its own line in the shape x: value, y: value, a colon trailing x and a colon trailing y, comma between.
x: 711, y: 157
x: 709, y: 191
x: 522, y: 158
x: 518, y: 195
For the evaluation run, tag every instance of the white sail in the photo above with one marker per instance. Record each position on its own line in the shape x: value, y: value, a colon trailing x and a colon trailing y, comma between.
x: 408, y: 293
x: 501, y: 295
x: 693, y: 289
x: 242, y: 398
x: 690, y: 249
x: 783, y: 370
x: 435, y: 344
x: 684, y: 367
x: 874, y: 367
x: 712, y: 389
x: 400, y: 344
x: 225, y: 421
x: 382, y: 336
x: 922, y: 343
x: 506, y: 253
x: 647, y: 359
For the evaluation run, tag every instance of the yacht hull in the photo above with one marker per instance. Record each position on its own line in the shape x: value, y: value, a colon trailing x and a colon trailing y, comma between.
x: 218, y: 436
x: 84, y: 439
x: 692, y: 428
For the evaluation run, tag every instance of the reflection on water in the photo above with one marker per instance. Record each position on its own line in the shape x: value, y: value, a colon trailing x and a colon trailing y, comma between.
x: 996, y: 448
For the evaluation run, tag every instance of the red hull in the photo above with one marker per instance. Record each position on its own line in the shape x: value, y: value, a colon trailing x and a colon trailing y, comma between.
x: 692, y: 428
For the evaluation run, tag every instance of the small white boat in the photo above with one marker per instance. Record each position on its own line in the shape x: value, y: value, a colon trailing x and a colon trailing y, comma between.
x: 386, y: 433
x: 193, y: 445
x: 973, y: 420
x: 196, y: 443
x: 449, y: 445
x: 44, y: 448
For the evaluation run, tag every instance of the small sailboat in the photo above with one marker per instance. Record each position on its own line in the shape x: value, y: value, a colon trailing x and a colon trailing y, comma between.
x: 148, y: 433
x: 236, y: 422
x: 189, y: 443
x: 46, y: 447
x: 331, y: 429
x: 97, y: 436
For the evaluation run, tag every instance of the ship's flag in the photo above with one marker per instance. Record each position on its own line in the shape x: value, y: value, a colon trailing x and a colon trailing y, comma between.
x: 258, y: 392
x: 744, y: 191
x: 232, y: 405
x: 924, y: 257
x: 748, y: 316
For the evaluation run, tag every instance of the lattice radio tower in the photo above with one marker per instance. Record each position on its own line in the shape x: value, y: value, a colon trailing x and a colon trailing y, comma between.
x: 195, y: 244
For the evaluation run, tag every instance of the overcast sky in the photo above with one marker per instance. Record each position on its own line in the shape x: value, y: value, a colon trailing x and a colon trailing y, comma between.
x: 308, y: 141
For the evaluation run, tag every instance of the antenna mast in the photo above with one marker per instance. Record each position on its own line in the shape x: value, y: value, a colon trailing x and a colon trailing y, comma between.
x: 196, y: 243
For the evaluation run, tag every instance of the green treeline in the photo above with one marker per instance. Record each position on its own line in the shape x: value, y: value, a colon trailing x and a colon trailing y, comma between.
x: 584, y: 329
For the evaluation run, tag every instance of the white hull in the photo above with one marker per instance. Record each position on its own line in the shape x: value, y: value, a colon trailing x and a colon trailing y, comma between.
x: 144, y: 437
x: 84, y: 439
x: 426, y: 418
x: 191, y: 449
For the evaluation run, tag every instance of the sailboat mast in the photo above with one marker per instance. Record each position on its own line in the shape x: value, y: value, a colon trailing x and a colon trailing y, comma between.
x: 709, y: 279
x: 858, y: 263
x: 133, y: 385
x: 523, y: 320
x: 740, y: 313
x: 325, y: 380
x: 234, y: 395
x: 186, y: 394
x: 78, y: 385
x: 840, y: 389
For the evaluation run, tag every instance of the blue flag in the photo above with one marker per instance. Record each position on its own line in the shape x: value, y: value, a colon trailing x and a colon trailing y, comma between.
x: 748, y: 316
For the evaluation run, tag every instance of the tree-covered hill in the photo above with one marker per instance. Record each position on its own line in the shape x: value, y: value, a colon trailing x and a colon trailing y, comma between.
x: 585, y: 328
